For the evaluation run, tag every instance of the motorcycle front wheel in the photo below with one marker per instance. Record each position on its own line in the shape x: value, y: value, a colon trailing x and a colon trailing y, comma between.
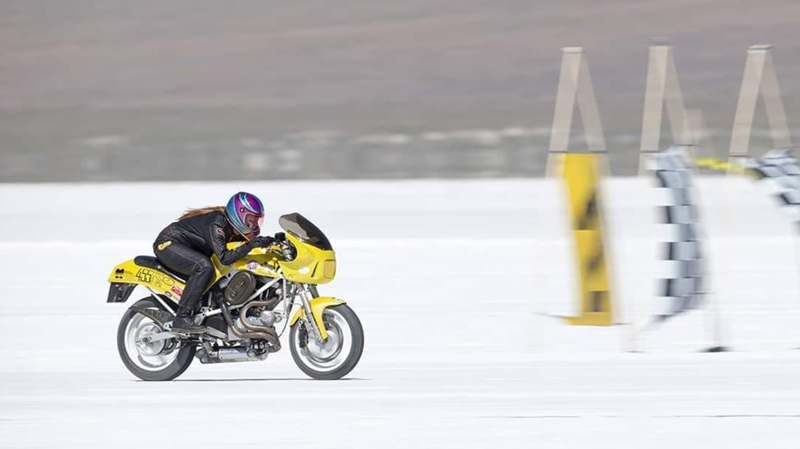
x: 336, y: 356
x: 151, y: 361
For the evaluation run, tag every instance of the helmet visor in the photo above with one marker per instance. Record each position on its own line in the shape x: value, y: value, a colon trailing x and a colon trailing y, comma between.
x: 254, y: 222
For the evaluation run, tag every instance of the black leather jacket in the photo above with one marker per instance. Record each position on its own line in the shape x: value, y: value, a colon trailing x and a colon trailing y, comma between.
x: 207, y: 234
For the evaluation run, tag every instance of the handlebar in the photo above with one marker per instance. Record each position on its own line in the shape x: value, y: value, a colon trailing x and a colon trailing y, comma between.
x: 287, y: 249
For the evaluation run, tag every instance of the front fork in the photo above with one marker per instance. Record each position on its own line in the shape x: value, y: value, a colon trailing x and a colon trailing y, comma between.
x: 313, y: 306
x: 305, y: 292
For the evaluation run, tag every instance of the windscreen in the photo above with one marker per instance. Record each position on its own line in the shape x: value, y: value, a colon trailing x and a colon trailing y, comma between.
x: 301, y: 227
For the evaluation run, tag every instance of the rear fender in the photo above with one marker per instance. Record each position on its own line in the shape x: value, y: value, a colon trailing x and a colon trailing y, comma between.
x: 120, y: 292
x: 125, y: 276
x: 318, y: 305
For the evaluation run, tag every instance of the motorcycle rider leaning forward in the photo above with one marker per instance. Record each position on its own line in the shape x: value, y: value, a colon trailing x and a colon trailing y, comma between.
x: 186, y: 246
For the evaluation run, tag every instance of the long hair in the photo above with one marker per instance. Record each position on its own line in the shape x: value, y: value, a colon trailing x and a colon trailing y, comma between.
x: 198, y: 211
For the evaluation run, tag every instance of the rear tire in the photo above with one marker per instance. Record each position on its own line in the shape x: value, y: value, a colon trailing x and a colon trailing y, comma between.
x: 330, y: 363
x: 155, y: 361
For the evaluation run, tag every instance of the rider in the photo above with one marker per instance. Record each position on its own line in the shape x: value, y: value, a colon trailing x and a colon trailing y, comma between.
x: 186, y: 246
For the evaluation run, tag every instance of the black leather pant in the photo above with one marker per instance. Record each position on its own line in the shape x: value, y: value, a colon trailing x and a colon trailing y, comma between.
x: 185, y: 260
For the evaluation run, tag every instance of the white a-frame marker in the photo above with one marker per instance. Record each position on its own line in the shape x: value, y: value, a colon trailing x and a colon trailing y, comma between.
x: 662, y: 91
x: 574, y: 86
x: 759, y: 76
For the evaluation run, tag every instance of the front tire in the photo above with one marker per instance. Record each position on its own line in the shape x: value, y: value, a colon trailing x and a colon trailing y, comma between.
x: 339, y: 354
x: 156, y: 361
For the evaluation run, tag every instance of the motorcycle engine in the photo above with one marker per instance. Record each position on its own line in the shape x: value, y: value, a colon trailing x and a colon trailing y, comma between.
x: 239, y: 288
x: 266, y: 319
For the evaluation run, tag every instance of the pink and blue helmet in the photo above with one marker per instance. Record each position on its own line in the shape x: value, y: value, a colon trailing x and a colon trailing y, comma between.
x: 245, y: 213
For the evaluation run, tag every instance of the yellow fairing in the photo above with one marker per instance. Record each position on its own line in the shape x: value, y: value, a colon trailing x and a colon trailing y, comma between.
x: 130, y: 273
x: 318, y: 305
x: 311, y: 265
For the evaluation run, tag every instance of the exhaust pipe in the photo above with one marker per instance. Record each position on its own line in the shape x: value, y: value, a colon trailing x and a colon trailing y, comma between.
x: 235, y: 355
x: 227, y: 355
x: 256, y: 332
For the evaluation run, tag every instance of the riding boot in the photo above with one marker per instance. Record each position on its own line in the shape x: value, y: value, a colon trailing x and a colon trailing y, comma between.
x: 183, y: 322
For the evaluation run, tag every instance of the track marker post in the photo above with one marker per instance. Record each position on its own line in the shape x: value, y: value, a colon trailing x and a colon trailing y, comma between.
x: 663, y: 91
x: 582, y: 175
x: 759, y: 77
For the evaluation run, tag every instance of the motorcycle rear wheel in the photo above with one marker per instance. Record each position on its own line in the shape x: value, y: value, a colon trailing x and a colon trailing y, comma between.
x: 156, y: 361
x: 339, y: 354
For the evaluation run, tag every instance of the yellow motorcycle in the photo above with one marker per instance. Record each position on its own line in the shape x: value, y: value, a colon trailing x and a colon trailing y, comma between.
x: 240, y: 310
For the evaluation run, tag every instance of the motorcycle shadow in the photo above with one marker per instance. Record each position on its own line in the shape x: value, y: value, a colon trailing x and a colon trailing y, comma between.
x: 270, y: 379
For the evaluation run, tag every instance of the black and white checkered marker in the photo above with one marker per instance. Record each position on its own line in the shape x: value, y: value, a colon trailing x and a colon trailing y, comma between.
x: 780, y: 172
x: 682, y: 287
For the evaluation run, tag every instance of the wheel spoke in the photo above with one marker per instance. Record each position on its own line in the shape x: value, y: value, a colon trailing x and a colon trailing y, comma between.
x: 333, y: 353
x: 147, y: 356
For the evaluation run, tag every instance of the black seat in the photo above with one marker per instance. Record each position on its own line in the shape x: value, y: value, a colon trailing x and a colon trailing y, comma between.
x: 152, y: 262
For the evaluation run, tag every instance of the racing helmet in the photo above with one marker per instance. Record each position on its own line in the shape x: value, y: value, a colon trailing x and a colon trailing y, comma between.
x: 245, y: 212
